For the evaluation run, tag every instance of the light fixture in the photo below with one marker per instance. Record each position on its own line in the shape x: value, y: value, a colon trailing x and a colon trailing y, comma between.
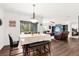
x: 33, y: 20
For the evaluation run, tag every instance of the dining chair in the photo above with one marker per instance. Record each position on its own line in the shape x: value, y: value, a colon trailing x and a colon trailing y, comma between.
x: 13, y: 44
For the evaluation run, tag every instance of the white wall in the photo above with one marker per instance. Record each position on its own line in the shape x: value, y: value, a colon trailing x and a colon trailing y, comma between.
x: 71, y: 21
x: 10, y: 15
x: 14, y: 31
x: 2, y: 28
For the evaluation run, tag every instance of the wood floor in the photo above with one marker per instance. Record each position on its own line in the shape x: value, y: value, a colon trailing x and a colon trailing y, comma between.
x: 58, y: 48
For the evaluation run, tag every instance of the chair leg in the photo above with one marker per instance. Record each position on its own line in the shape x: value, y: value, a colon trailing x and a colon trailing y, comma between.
x: 10, y: 51
x: 24, y: 50
x: 45, y: 52
x: 28, y: 52
x: 34, y: 52
x: 39, y: 50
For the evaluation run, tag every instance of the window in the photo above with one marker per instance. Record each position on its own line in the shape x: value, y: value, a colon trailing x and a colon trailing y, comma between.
x: 26, y: 26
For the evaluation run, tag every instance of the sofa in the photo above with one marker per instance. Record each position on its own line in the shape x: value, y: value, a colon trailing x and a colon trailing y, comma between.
x: 62, y: 36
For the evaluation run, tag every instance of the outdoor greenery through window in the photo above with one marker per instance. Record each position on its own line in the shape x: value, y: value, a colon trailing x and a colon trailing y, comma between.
x: 26, y: 26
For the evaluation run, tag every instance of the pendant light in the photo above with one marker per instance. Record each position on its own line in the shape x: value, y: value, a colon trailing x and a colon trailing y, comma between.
x: 33, y: 20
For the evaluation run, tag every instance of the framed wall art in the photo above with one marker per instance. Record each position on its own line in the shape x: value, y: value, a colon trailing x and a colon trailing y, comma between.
x: 12, y: 23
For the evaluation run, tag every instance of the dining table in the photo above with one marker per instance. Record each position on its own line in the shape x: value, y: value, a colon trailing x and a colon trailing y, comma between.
x: 31, y: 38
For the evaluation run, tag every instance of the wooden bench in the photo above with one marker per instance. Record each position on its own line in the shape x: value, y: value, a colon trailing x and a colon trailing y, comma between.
x: 40, y: 48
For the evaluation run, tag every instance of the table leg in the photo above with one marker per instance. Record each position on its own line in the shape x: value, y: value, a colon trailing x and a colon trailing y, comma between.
x: 49, y: 45
x: 23, y: 50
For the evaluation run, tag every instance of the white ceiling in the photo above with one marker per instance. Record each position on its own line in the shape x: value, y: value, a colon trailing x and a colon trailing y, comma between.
x: 52, y: 10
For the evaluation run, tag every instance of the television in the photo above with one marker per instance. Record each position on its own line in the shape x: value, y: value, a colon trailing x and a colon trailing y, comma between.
x: 58, y: 29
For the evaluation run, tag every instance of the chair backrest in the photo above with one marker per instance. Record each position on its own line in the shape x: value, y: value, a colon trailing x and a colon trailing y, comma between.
x: 11, y: 40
